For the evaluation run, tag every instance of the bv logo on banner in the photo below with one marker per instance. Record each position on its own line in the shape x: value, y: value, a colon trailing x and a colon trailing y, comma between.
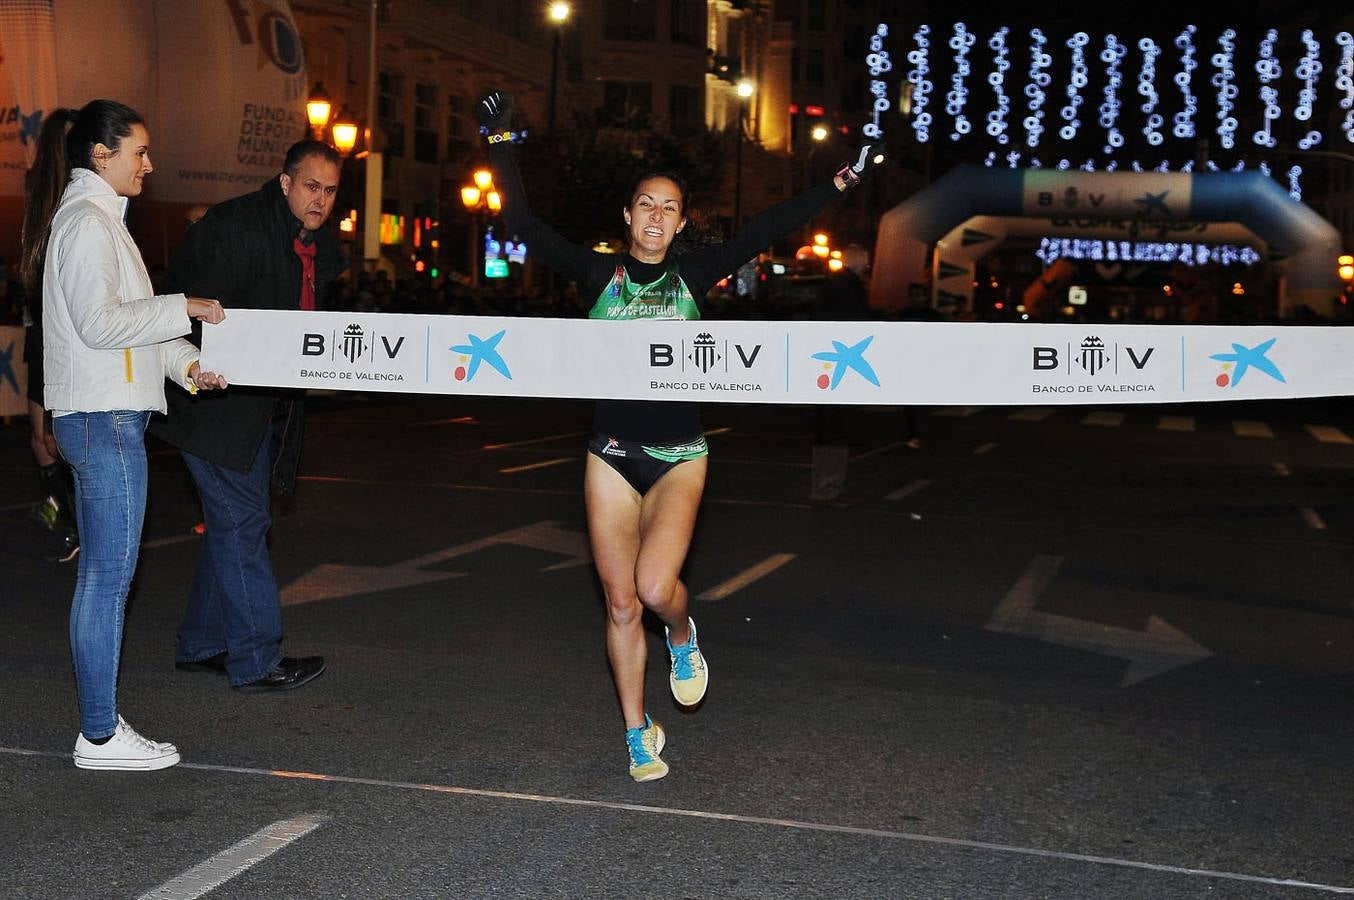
x: 889, y: 363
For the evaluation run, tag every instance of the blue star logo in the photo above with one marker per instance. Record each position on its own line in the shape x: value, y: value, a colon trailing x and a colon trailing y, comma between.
x: 482, y: 351
x: 1247, y: 358
x: 7, y: 367
x: 29, y: 125
x: 844, y: 359
x: 1152, y: 202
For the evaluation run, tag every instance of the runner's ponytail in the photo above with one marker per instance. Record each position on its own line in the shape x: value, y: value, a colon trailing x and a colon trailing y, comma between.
x: 45, y: 182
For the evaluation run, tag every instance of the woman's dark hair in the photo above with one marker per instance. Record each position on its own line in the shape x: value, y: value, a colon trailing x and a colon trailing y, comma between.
x: 695, y: 233
x: 67, y: 140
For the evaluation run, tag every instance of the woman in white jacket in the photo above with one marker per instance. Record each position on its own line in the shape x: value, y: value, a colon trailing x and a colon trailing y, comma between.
x: 108, y: 344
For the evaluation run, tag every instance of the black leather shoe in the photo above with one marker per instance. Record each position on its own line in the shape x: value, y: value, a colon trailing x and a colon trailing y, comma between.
x: 66, y: 551
x: 214, y: 664
x: 290, y: 672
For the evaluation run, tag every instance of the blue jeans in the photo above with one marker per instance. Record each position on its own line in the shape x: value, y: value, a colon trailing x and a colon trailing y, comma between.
x: 107, y: 455
x: 234, y: 606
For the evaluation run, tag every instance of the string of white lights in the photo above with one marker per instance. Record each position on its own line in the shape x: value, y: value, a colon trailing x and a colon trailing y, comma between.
x: 1184, y: 119
x: 1344, y: 81
x: 1040, y: 79
x: 1225, y: 82
x: 1184, y: 252
x: 1147, y: 89
x: 1268, y: 69
x: 879, y: 63
x: 1308, y: 71
x: 956, y: 98
x: 1112, y: 56
x: 1077, y: 80
x: 996, y: 118
x: 921, y: 85
x: 1294, y: 186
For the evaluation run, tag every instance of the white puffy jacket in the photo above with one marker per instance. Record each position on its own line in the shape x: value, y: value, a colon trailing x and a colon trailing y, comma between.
x: 107, y: 342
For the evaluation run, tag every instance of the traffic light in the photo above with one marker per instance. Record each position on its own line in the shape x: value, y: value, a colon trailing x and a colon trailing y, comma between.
x: 1346, y: 270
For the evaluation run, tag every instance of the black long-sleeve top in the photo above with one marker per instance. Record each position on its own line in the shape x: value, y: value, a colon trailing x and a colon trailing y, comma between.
x: 650, y: 422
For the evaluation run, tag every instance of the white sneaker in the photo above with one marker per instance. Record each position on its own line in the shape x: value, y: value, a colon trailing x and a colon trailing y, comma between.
x: 125, y: 750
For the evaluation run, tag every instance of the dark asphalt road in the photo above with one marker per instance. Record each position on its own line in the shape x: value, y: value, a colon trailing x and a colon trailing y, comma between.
x: 1043, y: 656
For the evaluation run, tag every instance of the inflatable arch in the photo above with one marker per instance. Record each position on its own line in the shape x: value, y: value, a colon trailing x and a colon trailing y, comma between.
x: 954, y: 266
x: 1304, y: 244
x: 222, y: 86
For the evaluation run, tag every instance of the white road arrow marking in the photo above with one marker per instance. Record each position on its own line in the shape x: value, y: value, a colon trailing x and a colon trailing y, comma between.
x: 330, y: 581
x: 746, y: 577
x: 1158, y: 649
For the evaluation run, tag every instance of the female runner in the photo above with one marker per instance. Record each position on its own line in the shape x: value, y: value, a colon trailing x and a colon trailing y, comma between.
x: 646, y: 460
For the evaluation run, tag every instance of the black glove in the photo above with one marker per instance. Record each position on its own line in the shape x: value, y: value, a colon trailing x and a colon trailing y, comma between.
x: 870, y: 156
x: 495, y: 112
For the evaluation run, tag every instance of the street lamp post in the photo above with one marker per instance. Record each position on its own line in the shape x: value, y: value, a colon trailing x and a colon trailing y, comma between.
x: 559, y: 14
x: 477, y: 198
x: 345, y: 139
x: 745, y: 91
x: 371, y: 226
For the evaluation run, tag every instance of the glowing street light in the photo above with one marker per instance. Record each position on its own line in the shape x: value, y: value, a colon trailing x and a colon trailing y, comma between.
x: 345, y: 132
x: 559, y: 12
x: 317, y: 110
x: 819, y: 133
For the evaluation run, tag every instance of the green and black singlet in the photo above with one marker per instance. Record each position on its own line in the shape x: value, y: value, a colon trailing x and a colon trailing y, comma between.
x: 623, y: 288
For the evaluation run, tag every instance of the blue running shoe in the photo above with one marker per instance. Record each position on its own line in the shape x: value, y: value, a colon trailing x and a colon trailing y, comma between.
x: 645, y: 744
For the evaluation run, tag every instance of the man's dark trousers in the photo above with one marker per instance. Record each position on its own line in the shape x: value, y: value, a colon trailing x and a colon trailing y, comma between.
x: 234, y: 605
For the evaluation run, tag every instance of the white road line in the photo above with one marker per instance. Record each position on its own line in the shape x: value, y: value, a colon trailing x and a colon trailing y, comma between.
x: 1328, y: 434
x: 877, y: 450
x: 959, y: 412
x: 1282, y: 469
x: 541, y: 440
x: 739, y: 819
x: 908, y: 490
x: 724, y: 430
x: 1247, y: 428
x: 1104, y: 419
x: 746, y: 577
x: 211, y: 874
x: 540, y: 465
x: 1312, y: 518
x: 985, y: 448
x: 1033, y: 414
x: 459, y: 420
x: 1176, y: 423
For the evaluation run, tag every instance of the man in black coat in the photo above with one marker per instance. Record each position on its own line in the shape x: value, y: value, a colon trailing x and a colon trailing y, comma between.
x: 265, y: 250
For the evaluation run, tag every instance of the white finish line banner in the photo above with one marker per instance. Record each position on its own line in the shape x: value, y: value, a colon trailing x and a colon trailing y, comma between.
x: 779, y: 362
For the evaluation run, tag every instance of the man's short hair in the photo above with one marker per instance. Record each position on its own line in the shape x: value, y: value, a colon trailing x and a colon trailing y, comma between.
x: 303, y: 150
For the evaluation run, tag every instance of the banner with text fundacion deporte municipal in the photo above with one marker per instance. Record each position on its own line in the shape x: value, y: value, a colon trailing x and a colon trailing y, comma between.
x: 779, y: 362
